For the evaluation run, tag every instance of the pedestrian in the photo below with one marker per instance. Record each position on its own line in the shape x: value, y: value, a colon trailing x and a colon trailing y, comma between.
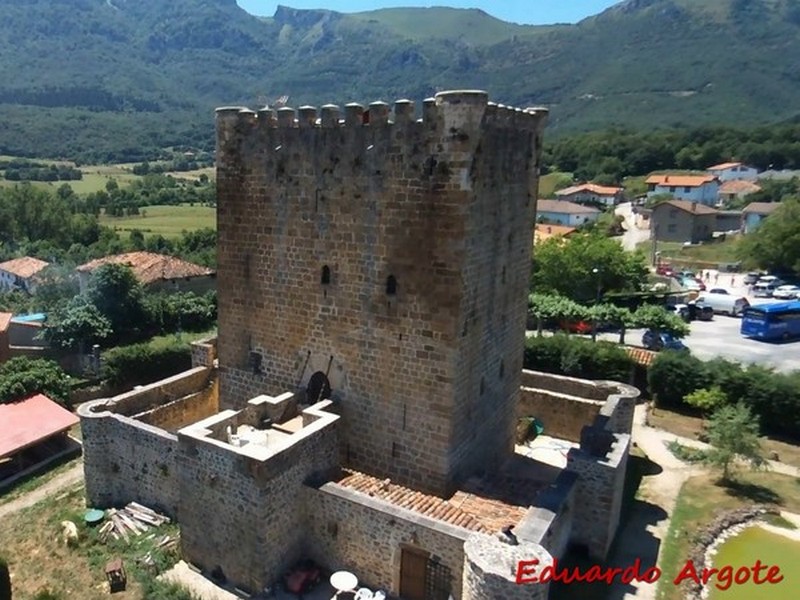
x: 716, y: 278
x: 733, y: 280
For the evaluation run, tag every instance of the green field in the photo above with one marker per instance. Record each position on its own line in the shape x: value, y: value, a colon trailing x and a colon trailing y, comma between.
x: 552, y: 181
x: 169, y: 221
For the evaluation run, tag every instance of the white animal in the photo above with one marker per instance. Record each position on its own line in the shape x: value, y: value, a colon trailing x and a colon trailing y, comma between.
x: 69, y: 531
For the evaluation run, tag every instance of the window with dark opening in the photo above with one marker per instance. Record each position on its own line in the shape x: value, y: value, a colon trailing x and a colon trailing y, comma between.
x: 326, y: 275
x: 391, y: 285
x: 502, y: 369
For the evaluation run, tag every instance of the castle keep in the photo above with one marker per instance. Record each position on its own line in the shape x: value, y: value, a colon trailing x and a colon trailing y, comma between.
x: 360, y: 403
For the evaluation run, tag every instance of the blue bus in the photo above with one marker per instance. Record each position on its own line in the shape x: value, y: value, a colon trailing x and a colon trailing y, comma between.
x: 779, y: 321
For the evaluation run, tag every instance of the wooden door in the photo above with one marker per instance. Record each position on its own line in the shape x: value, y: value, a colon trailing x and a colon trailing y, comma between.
x: 413, y: 569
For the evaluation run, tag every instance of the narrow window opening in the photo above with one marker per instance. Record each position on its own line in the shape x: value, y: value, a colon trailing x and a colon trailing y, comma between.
x: 503, y: 275
x: 502, y: 369
x: 326, y: 275
x: 391, y: 286
x: 483, y: 385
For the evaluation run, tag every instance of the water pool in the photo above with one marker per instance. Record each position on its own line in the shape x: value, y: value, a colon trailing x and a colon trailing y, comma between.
x: 756, y: 543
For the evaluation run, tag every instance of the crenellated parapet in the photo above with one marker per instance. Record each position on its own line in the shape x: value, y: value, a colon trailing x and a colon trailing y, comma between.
x: 450, y: 114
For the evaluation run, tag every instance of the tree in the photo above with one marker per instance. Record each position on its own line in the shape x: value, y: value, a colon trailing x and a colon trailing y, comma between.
x: 119, y: 297
x: 650, y: 316
x: 615, y: 316
x: 585, y: 266
x: 674, y: 375
x: 552, y: 307
x: 22, y: 377
x: 775, y: 245
x: 78, y: 326
x: 733, y: 434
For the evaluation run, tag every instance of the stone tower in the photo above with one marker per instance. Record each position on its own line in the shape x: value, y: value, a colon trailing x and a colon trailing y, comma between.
x: 382, y: 260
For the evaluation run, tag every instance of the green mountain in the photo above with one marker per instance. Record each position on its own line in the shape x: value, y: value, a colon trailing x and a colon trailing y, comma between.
x: 118, y: 79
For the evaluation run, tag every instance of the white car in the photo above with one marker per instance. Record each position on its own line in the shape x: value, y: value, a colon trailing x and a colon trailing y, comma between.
x: 786, y: 292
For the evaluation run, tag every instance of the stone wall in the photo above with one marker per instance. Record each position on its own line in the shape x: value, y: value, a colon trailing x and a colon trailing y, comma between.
x: 240, y: 506
x: 125, y: 460
x: 353, y: 531
x: 549, y: 521
x: 184, y: 411
x: 364, y: 252
x: 160, y: 392
x: 599, y: 489
x: 490, y: 569
x: 563, y: 416
x: 571, y: 386
x: 204, y: 352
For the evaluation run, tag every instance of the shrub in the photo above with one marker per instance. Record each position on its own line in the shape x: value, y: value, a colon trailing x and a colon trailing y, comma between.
x: 577, y: 357
x: 22, y: 377
x: 673, y: 375
x: 140, y: 364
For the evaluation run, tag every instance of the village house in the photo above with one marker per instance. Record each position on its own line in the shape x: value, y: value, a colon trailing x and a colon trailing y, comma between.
x: 591, y: 193
x: 692, y: 188
x: 20, y: 274
x: 733, y: 171
x: 754, y: 213
x: 156, y: 272
x: 562, y: 212
x: 682, y: 221
x: 736, y: 189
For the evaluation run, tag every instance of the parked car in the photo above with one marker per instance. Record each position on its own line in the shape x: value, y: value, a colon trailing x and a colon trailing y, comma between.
x: 765, y: 288
x: 786, y: 292
x: 658, y: 340
x: 682, y: 310
x: 698, y: 311
x: 751, y: 278
x: 724, y: 304
x: 718, y: 291
x: 665, y: 270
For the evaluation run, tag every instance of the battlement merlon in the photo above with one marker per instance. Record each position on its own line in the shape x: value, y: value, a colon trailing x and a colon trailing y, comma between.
x: 447, y: 113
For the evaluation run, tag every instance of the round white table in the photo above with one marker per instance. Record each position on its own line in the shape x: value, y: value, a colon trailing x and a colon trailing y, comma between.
x: 344, y: 581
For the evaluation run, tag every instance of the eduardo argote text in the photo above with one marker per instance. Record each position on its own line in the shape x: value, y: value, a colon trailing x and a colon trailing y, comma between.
x: 530, y: 571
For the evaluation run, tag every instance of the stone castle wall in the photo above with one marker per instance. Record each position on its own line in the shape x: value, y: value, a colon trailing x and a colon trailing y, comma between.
x: 363, y: 251
x: 241, y: 507
x: 563, y: 416
x: 353, y: 531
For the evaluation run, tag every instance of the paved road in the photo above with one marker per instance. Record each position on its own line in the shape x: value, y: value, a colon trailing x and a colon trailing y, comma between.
x: 633, y: 235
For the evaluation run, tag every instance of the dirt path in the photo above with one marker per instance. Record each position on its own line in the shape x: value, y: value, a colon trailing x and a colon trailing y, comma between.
x: 67, y: 479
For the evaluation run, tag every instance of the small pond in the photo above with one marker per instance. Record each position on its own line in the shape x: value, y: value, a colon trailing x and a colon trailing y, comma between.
x: 756, y: 543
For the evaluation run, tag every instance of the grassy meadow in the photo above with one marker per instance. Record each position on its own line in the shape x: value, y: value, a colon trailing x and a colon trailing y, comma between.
x: 169, y: 221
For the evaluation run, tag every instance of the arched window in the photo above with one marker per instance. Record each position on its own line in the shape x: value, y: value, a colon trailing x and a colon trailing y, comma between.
x: 326, y: 275
x: 391, y: 285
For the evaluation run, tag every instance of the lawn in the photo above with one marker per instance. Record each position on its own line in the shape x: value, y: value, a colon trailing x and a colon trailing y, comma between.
x: 552, y: 181
x: 169, y: 221
x: 701, y: 499
x: 707, y: 255
x: 691, y: 426
x: 39, y: 560
x: 94, y: 179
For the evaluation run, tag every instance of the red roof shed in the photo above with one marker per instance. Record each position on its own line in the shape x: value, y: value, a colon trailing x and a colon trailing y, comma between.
x: 30, y: 421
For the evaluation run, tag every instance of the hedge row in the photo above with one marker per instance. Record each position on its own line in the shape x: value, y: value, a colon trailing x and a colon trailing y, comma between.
x: 773, y: 397
x: 578, y: 357
x: 140, y: 364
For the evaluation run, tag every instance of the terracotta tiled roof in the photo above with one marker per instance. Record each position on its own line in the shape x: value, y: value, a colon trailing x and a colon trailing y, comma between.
x: 564, y: 207
x: 739, y: 186
x: 691, y: 207
x: 723, y: 166
x: 149, y: 267
x: 477, y: 507
x: 641, y: 356
x: 600, y: 190
x: 24, y: 267
x: 680, y: 180
x: 761, y: 208
x: 30, y: 421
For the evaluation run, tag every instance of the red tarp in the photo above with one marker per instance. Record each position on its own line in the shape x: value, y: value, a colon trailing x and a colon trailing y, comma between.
x: 30, y: 421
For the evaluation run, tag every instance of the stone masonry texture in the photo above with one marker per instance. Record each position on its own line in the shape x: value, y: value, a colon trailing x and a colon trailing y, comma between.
x: 393, y: 257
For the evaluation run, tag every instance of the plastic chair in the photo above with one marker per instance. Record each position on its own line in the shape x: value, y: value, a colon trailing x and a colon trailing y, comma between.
x: 379, y: 595
x: 364, y: 594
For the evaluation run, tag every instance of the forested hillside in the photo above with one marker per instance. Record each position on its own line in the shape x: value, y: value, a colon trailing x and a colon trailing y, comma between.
x: 105, y: 80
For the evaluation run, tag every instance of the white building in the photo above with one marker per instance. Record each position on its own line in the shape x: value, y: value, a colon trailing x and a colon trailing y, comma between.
x: 561, y: 212
x: 20, y: 273
x: 693, y: 188
x: 591, y: 193
x: 731, y: 171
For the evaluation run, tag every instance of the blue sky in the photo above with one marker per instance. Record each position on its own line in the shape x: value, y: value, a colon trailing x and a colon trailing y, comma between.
x: 536, y: 12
